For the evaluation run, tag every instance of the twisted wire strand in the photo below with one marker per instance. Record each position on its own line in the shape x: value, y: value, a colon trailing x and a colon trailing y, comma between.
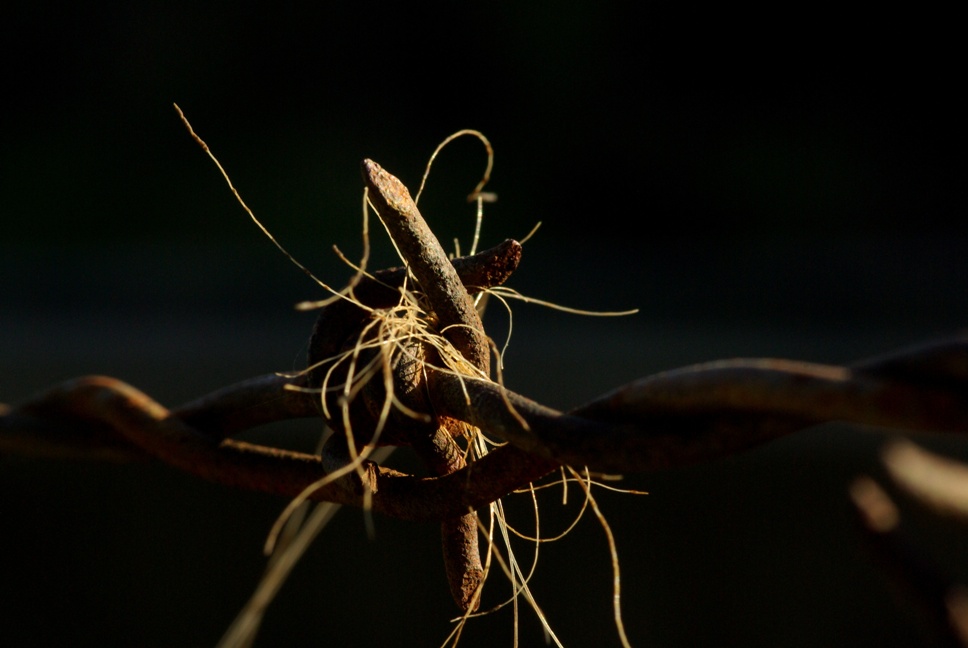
x: 674, y: 418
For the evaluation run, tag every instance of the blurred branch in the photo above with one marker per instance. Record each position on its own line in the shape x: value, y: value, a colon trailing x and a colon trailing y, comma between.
x: 938, y: 485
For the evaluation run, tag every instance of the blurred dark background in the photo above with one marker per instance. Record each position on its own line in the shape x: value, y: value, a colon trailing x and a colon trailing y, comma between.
x: 785, y: 185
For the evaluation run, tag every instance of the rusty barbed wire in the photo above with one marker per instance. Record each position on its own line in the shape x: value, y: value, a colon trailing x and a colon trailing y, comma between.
x: 671, y: 419
x: 674, y: 418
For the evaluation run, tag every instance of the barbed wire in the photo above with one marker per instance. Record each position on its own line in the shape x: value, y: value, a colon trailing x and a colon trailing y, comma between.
x: 675, y: 418
x: 685, y: 416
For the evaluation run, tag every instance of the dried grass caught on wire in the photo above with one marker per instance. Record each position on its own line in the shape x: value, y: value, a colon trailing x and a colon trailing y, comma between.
x: 390, y: 334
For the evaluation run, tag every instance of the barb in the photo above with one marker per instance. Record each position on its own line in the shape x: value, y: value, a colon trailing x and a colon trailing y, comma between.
x: 450, y: 303
x: 437, y: 277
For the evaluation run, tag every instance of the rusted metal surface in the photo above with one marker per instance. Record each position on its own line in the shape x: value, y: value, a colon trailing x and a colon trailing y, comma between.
x: 685, y: 416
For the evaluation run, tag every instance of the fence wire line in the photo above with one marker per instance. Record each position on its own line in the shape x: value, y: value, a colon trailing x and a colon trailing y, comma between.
x: 674, y: 418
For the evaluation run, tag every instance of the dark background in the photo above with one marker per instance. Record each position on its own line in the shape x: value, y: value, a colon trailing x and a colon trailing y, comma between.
x: 758, y: 184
